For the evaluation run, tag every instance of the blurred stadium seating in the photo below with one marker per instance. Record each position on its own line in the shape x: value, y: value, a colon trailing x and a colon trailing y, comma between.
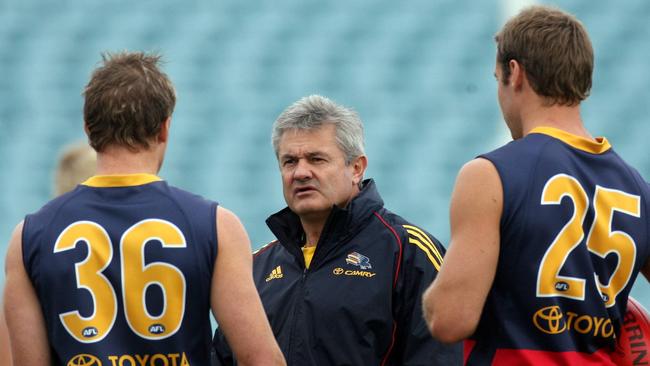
x: 419, y: 72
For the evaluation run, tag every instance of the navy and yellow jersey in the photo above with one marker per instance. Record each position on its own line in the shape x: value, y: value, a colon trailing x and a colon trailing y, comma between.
x: 358, y: 302
x: 122, y: 267
x: 574, y: 235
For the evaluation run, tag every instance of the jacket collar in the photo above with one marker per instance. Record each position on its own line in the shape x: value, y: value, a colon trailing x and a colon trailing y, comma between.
x: 340, y: 223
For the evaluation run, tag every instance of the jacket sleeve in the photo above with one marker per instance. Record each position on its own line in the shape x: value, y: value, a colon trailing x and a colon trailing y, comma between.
x: 221, y: 353
x: 421, y: 259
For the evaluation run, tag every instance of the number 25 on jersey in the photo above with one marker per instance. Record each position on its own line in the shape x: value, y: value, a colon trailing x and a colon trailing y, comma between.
x: 601, y: 240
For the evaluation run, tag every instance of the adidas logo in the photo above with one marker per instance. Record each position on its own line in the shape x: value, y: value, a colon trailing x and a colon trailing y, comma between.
x: 275, y: 274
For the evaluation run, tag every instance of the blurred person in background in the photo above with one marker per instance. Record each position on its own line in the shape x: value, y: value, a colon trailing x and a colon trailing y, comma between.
x: 125, y: 268
x: 342, y: 283
x: 549, y: 232
x: 77, y: 162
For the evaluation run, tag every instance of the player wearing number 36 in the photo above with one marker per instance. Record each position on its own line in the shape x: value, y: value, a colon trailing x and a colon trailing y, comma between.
x: 548, y: 232
x: 124, y: 268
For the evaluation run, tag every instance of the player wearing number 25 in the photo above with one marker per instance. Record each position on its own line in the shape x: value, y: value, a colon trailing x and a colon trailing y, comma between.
x: 124, y: 269
x: 548, y: 232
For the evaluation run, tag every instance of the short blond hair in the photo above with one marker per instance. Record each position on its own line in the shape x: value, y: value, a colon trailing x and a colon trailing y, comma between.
x: 76, y: 163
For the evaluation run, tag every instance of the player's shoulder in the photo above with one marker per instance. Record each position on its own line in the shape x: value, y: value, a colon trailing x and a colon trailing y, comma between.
x: 527, y: 147
x: 634, y: 174
x: 182, y: 194
x: 53, y: 206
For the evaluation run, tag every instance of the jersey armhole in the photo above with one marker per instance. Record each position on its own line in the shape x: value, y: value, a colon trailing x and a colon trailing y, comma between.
x: 215, y: 230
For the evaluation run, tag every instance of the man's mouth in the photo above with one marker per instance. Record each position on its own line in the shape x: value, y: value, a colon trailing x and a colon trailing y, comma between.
x: 304, y: 190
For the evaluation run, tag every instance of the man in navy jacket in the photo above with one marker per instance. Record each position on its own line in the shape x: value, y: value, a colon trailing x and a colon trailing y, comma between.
x: 343, y: 282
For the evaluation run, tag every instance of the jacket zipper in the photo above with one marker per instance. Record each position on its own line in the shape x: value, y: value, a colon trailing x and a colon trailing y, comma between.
x: 299, y: 303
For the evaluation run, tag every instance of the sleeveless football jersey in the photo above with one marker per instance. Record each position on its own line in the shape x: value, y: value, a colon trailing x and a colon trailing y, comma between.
x: 122, y: 267
x: 574, y: 235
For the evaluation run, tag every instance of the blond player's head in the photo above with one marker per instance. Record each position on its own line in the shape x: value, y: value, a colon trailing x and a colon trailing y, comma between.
x: 76, y: 163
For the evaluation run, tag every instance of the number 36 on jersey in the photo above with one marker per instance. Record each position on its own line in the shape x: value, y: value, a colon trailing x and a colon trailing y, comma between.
x: 136, y: 277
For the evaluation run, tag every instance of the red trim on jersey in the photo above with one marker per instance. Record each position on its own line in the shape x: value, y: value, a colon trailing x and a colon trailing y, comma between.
x: 264, y: 248
x: 392, y: 343
x: 531, y: 357
x: 399, y: 262
x: 468, y: 346
x: 399, y: 242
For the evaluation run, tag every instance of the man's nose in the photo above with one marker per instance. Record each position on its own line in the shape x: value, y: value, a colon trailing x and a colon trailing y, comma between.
x: 302, y: 171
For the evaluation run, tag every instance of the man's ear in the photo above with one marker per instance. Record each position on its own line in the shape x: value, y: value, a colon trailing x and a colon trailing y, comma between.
x: 517, y: 74
x: 163, y: 135
x: 359, y: 165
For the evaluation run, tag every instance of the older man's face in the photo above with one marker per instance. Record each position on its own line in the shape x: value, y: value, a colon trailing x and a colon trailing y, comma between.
x: 314, y: 174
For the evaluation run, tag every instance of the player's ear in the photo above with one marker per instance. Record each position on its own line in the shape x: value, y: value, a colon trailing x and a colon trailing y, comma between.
x: 517, y: 74
x: 163, y: 135
x: 359, y: 165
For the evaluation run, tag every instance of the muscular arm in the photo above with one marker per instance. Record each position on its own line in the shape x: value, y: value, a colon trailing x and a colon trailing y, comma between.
x: 27, y: 333
x: 454, y: 302
x: 5, y: 350
x: 235, y: 302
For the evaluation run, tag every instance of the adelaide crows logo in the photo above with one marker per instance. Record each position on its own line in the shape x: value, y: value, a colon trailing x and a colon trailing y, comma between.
x: 358, y: 259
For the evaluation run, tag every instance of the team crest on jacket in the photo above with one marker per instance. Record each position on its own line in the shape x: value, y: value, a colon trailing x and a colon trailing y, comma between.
x: 359, y: 260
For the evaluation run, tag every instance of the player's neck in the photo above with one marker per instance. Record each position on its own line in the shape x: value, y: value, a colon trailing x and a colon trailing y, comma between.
x: 116, y: 160
x: 566, y: 118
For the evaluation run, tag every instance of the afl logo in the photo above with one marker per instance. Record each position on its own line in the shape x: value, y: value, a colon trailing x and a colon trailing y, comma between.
x: 156, y: 329
x: 562, y: 286
x: 550, y: 320
x: 84, y: 360
x: 89, y: 332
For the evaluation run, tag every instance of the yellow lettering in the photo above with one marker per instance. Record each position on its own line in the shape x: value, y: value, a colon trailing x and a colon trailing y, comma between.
x: 127, y: 358
x: 113, y: 360
x: 585, y: 324
x: 184, y: 361
x: 597, y: 323
x: 173, y: 357
x: 570, y: 316
x: 586, y: 329
x: 142, y: 360
x: 609, y: 333
x: 158, y: 356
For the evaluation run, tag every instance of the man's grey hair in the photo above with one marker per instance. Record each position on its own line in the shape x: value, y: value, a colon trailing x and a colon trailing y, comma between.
x: 315, y: 111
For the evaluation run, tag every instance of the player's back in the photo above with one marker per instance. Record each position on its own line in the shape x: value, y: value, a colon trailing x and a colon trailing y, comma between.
x: 574, y: 235
x: 122, y: 267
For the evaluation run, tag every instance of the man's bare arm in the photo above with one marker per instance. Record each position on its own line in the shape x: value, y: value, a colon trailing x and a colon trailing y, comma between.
x: 235, y: 301
x: 454, y: 302
x: 27, y: 333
